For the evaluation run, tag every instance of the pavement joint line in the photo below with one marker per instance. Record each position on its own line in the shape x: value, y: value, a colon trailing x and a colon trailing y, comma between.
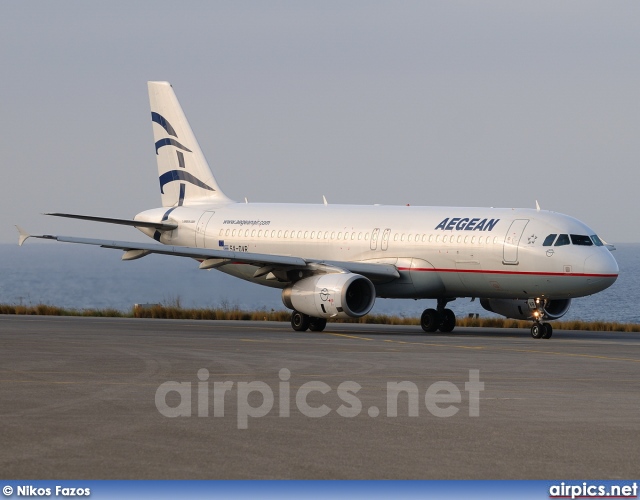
x: 531, y: 351
x: 304, y: 375
x: 569, y: 354
x: 64, y: 382
x: 348, y: 336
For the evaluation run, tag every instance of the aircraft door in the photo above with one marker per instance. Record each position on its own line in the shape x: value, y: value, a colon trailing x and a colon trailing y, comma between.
x: 374, y: 238
x: 512, y: 240
x: 385, y: 239
x: 201, y: 228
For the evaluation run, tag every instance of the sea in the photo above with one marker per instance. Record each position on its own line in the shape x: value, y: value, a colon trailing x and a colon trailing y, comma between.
x: 82, y: 277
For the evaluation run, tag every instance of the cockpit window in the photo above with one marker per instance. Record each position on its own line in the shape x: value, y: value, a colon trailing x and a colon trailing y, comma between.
x: 548, y: 241
x: 579, y: 239
x: 562, y: 240
x: 596, y: 241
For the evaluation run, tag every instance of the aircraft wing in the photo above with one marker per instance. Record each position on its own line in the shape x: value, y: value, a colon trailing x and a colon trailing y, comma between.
x: 215, y: 258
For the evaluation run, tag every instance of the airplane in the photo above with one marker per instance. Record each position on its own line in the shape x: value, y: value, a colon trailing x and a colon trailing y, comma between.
x: 333, y: 261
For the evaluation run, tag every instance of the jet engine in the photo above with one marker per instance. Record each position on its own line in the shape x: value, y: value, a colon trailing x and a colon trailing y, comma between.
x: 338, y: 295
x: 519, y: 308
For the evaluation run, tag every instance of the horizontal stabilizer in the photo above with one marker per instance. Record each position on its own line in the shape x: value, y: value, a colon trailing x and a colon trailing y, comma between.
x: 160, y: 226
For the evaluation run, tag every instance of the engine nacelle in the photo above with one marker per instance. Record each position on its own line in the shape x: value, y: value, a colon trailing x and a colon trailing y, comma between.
x: 519, y: 308
x: 338, y: 295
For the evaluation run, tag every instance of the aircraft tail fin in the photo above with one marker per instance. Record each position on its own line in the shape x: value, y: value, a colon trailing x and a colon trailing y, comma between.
x: 185, y: 176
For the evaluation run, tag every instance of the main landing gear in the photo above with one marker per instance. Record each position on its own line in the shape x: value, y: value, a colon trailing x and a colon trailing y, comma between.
x: 541, y: 330
x: 302, y: 322
x: 438, y: 319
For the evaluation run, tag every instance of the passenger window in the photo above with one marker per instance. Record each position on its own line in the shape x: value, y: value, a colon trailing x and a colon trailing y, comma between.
x: 313, y: 235
x: 280, y: 234
x: 286, y: 234
x: 444, y: 239
x: 253, y: 233
x: 259, y: 233
x: 431, y: 238
x: 221, y: 232
x: 548, y: 241
x: 306, y: 235
x: 579, y: 239
x: 562, y: 240
x: 597, y: 241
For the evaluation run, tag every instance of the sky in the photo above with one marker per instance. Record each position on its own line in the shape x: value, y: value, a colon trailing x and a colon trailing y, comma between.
x: 494, y: 103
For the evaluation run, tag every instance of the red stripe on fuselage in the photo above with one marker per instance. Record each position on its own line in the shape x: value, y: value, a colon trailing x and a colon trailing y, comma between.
x: 525, y: 273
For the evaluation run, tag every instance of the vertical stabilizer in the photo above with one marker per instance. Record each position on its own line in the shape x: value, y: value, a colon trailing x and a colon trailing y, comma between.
x: 185, y: 176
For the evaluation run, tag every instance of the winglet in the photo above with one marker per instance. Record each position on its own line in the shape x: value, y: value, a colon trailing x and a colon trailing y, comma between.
x: 23, y: 235
x: 324, y: 200
x: 537, y: 206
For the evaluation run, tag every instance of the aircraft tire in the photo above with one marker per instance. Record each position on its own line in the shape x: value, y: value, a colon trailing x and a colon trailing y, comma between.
x: 547, y: 331
x: 537, y: 331
x: 299, y: 321
x: 429, y: 321
x: 448, y: 322
x: 317, y: 324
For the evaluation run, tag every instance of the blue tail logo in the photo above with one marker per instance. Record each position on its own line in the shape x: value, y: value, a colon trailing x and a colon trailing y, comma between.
x: 175, y: 175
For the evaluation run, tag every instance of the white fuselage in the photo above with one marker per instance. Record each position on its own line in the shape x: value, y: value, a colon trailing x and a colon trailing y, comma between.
x: 439, y: 251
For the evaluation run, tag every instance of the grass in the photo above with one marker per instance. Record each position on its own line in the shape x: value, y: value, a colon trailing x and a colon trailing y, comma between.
x: 174, y: 310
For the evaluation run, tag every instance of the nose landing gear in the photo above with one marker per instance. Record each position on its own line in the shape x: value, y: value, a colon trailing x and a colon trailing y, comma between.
x: 541, y: 330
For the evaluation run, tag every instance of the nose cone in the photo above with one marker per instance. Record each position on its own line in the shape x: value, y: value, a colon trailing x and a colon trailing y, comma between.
x: 602, y: 268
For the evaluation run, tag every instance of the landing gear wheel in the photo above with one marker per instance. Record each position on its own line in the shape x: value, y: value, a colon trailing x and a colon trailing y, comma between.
x: 448, y: 322
x: 317, y: 324
x: 299, y: 322
x: 547, y: 331
x: 537, y: 330
x: 429, y: 321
